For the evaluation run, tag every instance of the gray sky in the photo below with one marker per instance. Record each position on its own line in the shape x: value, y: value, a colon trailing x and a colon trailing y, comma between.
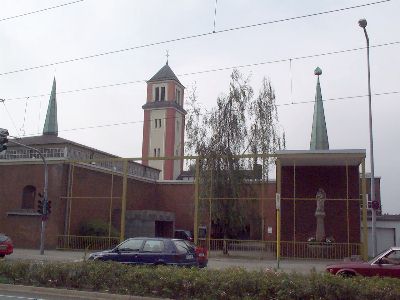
x: 91, y: 27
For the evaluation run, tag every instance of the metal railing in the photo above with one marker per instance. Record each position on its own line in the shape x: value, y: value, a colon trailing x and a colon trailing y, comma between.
x: 74, y: 242
x: 240, y: 248
x: 316, y: 250
x: 267, y: 249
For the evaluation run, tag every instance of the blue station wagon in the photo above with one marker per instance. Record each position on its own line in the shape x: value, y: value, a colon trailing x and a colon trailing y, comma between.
x: 150, y: 251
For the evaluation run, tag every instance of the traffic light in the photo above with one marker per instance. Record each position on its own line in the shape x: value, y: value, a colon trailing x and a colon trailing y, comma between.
x: 3, y: 139
x: 375, y: 205
x: 48, y: 208
x: 40, y: 207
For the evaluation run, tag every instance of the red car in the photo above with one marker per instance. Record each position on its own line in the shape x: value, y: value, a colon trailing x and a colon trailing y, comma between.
x: 6, y: 245
x: 386, y: 263
x: 201, y: 254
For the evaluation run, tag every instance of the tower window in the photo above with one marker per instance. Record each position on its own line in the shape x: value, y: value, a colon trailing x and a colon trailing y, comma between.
x: 162, y: 93
x: 158, y: 152
x: 159, y: 92
x: 178, y: 96
x: 157, y: 123
x: 155, y: 152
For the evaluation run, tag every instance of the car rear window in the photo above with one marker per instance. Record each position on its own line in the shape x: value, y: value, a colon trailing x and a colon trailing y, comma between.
x: 182, y: 247
x: 190, y: 244
x: 3, y: 238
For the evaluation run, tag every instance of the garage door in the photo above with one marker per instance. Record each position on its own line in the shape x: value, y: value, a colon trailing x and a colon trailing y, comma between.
x: 385, y: 239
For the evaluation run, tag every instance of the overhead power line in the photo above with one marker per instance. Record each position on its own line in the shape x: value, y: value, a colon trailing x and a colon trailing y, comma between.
x: 283, y: 104
x: 190, y: 37
x: 39, y: 11
x: 208, y: 71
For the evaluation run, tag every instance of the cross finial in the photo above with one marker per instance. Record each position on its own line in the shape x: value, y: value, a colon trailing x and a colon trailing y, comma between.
x: 167, y: 55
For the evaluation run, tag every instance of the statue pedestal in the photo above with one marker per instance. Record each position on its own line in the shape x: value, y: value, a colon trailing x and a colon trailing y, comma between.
x: 320, y: 233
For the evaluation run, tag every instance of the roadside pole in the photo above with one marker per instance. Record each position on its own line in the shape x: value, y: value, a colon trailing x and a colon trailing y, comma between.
x: 278, y: 212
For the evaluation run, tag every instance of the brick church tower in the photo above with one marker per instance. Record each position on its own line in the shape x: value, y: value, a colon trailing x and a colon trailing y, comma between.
x: 164, y: 123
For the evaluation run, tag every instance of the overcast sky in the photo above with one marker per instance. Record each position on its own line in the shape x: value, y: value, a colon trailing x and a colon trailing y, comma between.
x: 91, y: 27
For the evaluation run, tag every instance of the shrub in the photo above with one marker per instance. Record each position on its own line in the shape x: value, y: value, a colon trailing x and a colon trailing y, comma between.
x: 192, y: 283
x: 96, y: 228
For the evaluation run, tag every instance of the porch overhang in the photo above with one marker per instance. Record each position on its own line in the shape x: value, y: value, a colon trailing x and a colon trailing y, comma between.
x: 349, y: 157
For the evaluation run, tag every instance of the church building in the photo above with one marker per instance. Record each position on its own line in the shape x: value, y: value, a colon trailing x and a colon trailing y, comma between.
x: 146, y: 198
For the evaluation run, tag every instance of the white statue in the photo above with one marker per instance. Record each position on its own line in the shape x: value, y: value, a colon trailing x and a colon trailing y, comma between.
x: 321, y: 197
x: 320, y: 215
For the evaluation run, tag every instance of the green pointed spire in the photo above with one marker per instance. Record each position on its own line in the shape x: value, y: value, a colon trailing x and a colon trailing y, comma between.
x: 50, y: 125
x: 319, y: 134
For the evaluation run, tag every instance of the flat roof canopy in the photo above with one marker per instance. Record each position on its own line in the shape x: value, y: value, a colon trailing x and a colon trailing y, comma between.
x: 350, y: 157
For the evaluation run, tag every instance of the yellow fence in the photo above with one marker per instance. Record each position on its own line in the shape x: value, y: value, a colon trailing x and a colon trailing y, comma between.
x: 75, y: 242
x: 267, y: 249
x: 240, y: 248
x: 315, y: 250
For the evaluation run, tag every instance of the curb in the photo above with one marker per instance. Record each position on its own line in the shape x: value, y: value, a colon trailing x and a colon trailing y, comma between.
x: 54, y: 292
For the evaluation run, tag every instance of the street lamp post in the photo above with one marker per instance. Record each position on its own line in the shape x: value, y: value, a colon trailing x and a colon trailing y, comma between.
x: 363, y: 24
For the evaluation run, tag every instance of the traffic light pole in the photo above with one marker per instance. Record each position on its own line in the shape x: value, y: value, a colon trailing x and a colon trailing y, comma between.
x: 45, y: 200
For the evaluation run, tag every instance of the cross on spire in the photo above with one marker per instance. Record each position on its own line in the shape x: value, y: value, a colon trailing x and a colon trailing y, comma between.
x: 167, y: 55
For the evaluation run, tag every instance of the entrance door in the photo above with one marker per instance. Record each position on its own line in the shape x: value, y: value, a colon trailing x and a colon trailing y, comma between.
x: 164, y: 228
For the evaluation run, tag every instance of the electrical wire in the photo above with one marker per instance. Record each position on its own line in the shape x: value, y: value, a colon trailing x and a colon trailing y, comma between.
x: 9, y: 115
x: 23, y: 123
x: 189, y: 37
x: 39, y: 11
x: 209, y: 70
x: 166, y: 118
x: 215, y: 15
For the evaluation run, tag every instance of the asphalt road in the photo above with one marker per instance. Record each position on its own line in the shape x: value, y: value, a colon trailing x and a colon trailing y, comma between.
x: 299, y: 266
x: 20, y: 292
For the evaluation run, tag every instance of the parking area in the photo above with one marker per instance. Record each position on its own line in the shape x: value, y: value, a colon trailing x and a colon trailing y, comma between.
x: 251, y: 264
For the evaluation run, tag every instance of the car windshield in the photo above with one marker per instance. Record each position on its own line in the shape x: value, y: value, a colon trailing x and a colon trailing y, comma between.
x: 372, y: 260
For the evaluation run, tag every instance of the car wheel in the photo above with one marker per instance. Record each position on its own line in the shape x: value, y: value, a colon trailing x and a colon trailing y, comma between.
x: 346, y: 274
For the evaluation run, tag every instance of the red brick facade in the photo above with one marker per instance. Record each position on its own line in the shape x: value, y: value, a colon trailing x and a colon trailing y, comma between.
x: 298, y: 216
x: 94, y: 192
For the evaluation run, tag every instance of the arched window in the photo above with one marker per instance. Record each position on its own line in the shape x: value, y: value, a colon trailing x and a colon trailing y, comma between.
x: 28, y: 197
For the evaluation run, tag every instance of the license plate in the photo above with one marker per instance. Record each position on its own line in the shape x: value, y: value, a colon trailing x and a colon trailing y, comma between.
x: 201, y: 254
x: 3, y: 247
x: 189, y: 256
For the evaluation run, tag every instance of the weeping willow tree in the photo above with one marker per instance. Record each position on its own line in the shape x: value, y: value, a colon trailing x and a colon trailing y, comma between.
x: 239, y: 124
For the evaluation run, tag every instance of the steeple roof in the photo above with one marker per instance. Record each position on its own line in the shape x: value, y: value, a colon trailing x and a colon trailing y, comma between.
x: 51, y: 125
x: 319, y: 134
x: 165, y: 73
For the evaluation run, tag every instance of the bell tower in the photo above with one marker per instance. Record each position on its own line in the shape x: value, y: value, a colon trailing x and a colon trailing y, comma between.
x: 164, y: 123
